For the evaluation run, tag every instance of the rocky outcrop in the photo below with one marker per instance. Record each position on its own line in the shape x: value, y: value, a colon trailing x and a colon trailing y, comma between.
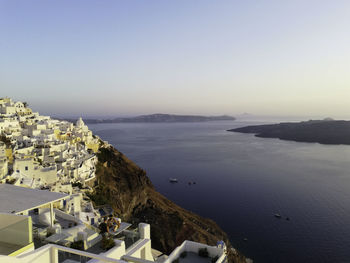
x: 125, y: 186
x: 325, y: 131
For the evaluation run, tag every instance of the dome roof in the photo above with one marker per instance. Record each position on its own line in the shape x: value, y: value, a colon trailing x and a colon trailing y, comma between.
x: 80, y: 122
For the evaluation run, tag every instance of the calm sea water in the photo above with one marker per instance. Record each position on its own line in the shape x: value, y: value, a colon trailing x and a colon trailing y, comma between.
x: 241, y: 181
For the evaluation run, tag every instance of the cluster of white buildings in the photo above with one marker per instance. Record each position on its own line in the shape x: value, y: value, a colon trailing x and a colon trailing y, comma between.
x: 42, y: 161
x: 42, y: 152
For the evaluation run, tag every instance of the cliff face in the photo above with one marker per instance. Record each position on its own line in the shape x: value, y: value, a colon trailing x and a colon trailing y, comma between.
x: 125, y: 186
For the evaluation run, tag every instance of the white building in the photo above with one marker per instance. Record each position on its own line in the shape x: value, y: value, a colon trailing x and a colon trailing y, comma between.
x: 3, y: 161
x: 53, y: 154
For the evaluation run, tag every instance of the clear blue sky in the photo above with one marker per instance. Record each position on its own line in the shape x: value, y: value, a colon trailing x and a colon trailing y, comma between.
x: 183, y: 56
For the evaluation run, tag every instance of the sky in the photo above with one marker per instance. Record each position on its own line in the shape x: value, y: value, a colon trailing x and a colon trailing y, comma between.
x: 115, y: 58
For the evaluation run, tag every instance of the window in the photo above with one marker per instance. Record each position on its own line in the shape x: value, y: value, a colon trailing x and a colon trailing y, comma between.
x: 26, y: 168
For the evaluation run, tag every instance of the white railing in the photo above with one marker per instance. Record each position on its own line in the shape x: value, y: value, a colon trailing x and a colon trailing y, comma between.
x: 49, y: 254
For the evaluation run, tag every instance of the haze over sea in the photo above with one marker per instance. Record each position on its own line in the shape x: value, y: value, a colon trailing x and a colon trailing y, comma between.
x: 242, y: 181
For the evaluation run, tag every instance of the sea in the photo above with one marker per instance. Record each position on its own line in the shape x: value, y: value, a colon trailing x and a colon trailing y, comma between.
x: 242, y: 181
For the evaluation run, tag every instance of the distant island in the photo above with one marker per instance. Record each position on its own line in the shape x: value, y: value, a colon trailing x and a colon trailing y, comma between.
x: 156, y: 118
x: 325, y: 131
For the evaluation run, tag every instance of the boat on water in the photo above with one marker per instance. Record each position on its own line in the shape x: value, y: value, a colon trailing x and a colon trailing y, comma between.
x: 277, y: 215
x: 172, y: 180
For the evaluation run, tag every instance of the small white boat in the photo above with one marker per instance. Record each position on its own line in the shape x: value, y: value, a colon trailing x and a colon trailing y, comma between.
x: 173, y: 180
x: 277, y: 215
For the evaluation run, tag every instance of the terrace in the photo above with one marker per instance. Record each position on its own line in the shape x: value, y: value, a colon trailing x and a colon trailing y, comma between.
x: 192, y: 257
x: 193, y: 252
x: 20, y: 200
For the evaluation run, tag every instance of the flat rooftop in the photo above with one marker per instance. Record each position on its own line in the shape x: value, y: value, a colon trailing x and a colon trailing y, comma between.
x: 16, y: 199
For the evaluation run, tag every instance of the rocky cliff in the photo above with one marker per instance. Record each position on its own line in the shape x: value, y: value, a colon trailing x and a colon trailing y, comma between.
x: 125, y: 186
x: 325, y: 131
